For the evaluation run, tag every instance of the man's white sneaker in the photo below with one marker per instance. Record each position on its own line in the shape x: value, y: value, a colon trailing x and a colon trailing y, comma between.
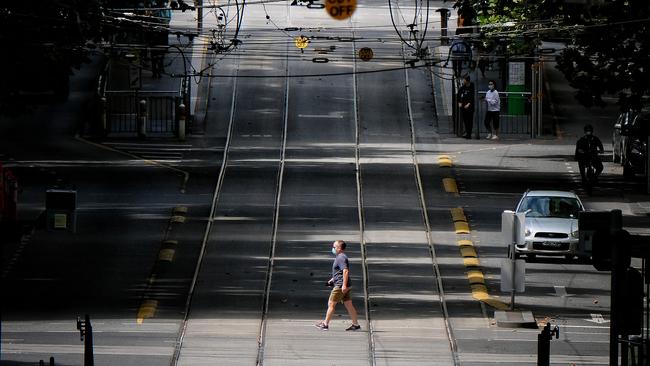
x: 489, y: 136
x: 494, y: 137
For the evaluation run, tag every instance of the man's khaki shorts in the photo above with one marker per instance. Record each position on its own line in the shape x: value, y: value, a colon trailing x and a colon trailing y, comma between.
x: 337, y: 295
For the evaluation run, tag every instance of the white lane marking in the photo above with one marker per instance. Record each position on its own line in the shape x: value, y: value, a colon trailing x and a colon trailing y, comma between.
x: 598, y: 319
x: 336, y: 115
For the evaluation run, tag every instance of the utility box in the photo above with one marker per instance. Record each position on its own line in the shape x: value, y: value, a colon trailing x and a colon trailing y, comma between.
x: 61, y: 209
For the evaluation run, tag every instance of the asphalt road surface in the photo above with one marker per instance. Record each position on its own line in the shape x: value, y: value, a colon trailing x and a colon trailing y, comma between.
x: 217, y: 250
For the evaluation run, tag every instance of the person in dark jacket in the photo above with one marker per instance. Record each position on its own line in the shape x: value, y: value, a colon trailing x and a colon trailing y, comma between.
x: 587, y: 149
x: 466, y: 105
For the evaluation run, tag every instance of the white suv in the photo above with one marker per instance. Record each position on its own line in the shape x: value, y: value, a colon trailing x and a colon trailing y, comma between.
x: 551, y: 223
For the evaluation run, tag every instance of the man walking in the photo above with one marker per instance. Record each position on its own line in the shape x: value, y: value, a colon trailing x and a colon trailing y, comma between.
x: 342, y: 286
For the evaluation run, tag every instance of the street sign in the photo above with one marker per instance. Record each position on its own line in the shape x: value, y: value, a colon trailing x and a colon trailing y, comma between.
x: 340, y: 9
x: 366, y: 54
x: 301, y: 42
x: 510, y: 268
x: 513, y: 227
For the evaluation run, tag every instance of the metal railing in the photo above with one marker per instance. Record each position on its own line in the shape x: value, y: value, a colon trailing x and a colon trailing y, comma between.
x: 123, y: 111
x: 514, y: 117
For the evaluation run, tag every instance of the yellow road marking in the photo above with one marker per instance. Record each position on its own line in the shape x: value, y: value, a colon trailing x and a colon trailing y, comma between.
x: 465, y: 243
x: 179, y: 210
x: 468, y: 252
x: 457, y: 214
x: 479, y: 292
x: 170, y: 243
x: 147, y: 310
x: 475, y: 277
x: 166, y: 255
x: 450, y: 185
x: 445, y: 163
x: 471, y: 262
x: 178, y: 219
x: 461, y: 227
x: 497, y: 304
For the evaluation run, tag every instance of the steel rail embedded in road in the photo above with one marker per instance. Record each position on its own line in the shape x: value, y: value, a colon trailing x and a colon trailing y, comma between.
x: 362, y: 241
x: 427, y: 223
x: 261, y: 342
x: 208, y: 227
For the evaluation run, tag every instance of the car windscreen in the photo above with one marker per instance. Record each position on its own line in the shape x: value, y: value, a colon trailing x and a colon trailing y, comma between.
x: 538, y: 206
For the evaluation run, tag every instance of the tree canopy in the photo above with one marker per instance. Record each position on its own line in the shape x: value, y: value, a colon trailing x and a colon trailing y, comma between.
x: 44, y: 40
x: 607, y: 41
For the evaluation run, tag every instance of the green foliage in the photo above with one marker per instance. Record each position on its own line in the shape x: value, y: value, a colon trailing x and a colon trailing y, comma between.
x: 610, y: 54
x: 607, y: 41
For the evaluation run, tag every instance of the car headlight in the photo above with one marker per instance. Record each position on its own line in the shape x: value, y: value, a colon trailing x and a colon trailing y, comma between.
x: 575, y: 234
x: 527, y: 232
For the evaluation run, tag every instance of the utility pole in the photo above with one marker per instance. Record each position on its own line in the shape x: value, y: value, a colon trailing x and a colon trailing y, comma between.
x: 198, y: 4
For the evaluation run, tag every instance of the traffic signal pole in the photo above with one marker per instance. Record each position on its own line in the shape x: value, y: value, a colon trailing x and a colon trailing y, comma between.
x: 611, y: 249
x: 86, y: 332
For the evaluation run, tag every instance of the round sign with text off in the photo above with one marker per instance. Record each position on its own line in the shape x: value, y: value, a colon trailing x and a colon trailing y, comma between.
x: 340, y: 9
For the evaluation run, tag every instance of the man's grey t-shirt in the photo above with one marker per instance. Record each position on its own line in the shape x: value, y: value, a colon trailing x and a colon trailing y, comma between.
x: 340, y: 263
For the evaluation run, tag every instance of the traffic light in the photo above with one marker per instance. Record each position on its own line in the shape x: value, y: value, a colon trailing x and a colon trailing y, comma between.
x: 599, y: 231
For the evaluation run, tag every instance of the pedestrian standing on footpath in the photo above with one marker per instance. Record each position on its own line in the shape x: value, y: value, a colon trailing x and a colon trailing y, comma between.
x: 466, y: 105
x: 493, y: 109
x: 342, y: 288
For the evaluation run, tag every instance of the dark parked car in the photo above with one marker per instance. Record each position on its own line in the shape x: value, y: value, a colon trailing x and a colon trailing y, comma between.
x: 634, y: 131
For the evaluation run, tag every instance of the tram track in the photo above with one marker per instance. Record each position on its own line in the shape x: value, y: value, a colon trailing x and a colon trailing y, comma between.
x: 427, y: 222
x: 276, y: 217
x: 362, y: 241
x: 215, y: 199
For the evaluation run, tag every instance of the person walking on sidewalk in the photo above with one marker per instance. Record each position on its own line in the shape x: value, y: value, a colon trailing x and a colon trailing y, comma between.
x: 492, y: 113
x: 342, y: 288
x: 466, y: 105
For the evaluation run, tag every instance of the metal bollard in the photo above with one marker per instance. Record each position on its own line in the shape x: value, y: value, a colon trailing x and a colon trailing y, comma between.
x: 103, y: 122
x: 142, y: 119
x: 181, y: 122
x: 544, y: 344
